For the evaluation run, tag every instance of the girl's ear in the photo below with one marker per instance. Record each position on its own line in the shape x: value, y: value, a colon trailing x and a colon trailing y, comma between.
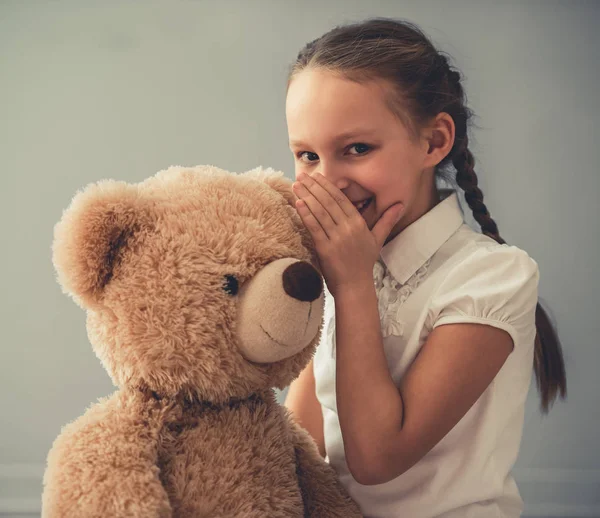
x: 93, y: 235
x: 440, y: 139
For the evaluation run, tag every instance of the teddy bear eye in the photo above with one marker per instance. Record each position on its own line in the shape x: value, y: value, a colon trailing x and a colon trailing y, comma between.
x: 231, y: 285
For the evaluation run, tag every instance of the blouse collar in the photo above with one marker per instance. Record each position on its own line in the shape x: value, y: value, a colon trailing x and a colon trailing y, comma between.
x: 417, y: 243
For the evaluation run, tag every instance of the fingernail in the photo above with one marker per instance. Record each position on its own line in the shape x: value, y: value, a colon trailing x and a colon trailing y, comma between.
x: 400, y: 211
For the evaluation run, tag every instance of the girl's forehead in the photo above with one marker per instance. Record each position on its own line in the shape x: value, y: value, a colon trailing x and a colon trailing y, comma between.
x: 326, y: 88
x: 319, y: 97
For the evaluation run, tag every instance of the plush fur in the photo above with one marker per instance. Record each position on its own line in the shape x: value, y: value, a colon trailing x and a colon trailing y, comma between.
x: 203, y: 293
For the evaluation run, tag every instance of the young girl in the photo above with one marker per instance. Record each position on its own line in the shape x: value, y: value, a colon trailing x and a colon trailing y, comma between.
x: 416, y: 393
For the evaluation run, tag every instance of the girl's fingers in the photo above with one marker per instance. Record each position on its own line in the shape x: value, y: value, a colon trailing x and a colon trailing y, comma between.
x: 318, y: 211
x: 310, y: 222
x: 345, y: 205
x: 318, y: 190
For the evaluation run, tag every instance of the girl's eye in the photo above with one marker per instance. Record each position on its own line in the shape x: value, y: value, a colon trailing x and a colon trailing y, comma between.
x: 300, y: 155
x: 359, y: 146
x: 311, y: 157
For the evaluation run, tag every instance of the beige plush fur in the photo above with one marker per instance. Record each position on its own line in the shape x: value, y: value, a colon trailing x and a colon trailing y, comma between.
x: 203, y: 293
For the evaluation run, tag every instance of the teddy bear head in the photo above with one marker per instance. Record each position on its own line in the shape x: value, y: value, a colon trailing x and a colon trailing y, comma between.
x: 196, y: 281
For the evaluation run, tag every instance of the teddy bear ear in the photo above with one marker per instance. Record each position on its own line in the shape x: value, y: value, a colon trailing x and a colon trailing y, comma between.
x: 283, y: 185
x: 276, y: 180
x: 92, y: 235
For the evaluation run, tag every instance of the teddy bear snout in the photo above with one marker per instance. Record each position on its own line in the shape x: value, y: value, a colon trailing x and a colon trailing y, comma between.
x: 279, y: 310
x: 302, y: 282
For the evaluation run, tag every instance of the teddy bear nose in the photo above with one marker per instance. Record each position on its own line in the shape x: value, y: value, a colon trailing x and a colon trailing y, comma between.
x: 302, y: 282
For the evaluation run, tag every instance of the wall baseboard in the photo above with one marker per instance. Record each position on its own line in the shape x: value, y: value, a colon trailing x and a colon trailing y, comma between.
x: 21, y: 489
x: 548, y: 493
x: 559, y: 492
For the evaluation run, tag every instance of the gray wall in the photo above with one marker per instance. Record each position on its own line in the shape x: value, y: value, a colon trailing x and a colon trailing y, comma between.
x: 121, y: 90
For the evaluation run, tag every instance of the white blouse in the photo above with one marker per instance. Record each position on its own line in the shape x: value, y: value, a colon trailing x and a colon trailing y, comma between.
x: 440, y: 271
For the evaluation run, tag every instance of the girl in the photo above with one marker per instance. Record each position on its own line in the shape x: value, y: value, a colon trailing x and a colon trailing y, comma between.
x: 416, y: 393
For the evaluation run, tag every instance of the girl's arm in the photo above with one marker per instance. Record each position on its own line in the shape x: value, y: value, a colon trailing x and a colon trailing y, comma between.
x: 302, y: 401
x: 387, y: 430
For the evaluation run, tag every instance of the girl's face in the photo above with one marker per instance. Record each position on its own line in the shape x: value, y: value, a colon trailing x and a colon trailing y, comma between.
x: 345, y: 131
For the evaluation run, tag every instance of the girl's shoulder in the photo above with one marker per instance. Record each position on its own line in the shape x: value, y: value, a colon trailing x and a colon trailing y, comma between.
x: 484, y: 280
x: 481, y: 254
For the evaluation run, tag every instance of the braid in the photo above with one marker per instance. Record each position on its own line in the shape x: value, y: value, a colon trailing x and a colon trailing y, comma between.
x: 466, y: 178
x: 548, y: 360
x: 462, y: 158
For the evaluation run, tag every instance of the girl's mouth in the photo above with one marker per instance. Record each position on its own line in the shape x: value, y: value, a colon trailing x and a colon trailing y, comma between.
x: 363, y: 205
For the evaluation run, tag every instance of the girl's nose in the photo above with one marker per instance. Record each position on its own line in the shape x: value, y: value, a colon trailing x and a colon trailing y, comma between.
x: 336, y: 176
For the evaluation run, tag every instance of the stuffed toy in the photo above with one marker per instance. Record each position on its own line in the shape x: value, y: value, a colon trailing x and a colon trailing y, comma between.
x: 203, y: 293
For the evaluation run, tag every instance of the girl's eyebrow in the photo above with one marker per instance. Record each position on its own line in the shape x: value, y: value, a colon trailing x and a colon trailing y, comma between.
x: 341, y: 137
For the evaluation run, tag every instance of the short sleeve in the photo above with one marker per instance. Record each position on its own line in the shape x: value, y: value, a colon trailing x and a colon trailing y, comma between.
x: 494, y: 285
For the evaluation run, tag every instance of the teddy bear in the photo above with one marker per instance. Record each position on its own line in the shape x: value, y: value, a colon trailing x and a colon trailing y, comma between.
x: 203, y: 294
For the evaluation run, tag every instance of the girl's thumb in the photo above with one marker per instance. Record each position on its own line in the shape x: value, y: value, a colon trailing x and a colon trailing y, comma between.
x: 397, y: 211
x: 384, y: 226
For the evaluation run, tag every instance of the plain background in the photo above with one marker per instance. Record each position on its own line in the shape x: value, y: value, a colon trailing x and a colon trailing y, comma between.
x: 94, y: 90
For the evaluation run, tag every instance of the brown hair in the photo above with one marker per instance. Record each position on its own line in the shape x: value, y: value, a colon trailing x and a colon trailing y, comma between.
x: 423, y: 85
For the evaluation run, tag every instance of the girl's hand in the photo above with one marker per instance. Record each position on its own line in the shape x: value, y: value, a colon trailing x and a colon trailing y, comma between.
x: 346, y: 248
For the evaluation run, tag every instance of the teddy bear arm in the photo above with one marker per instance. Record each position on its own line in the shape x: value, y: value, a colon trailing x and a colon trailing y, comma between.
x: 104, y: 465
x: 323, y: 494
